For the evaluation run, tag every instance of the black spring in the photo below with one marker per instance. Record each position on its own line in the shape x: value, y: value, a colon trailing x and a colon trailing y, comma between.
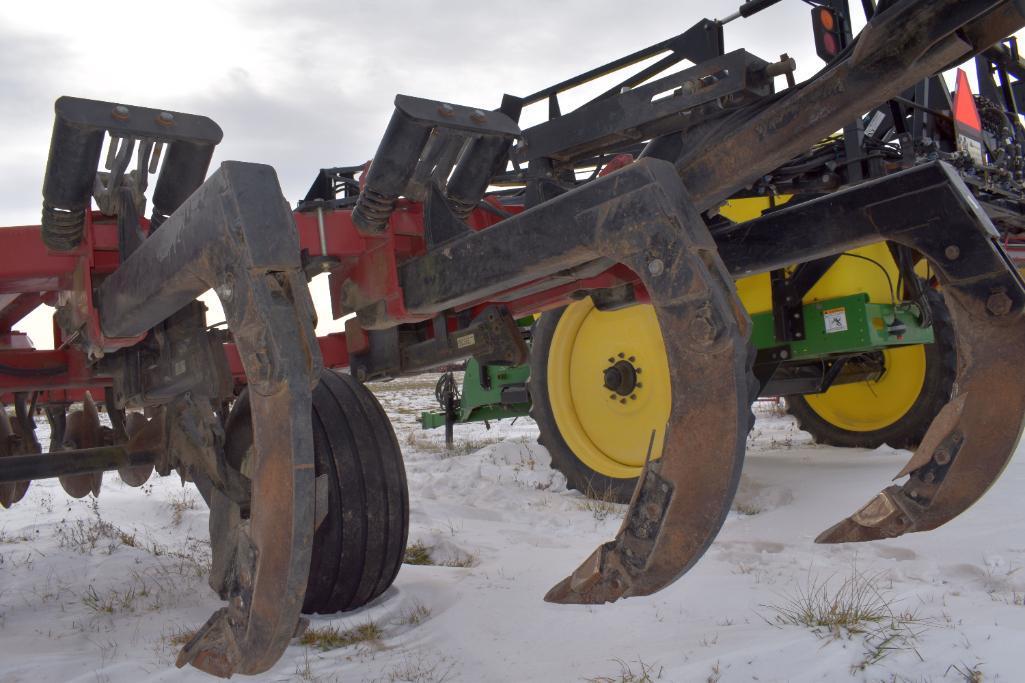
x: 372, y: 210
x: 461, y: 208
x: 62, y: 229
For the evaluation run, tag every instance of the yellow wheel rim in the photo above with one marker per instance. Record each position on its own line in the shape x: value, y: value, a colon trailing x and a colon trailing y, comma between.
x: 609, y: 431
x: 870, y: 406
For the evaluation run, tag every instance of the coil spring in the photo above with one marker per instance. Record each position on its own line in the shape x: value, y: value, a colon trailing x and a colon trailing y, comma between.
x: 461, y: 208
x: 62, y: 229
x: 372, y: 210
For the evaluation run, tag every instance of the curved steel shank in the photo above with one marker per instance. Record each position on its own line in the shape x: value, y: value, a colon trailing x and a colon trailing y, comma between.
x: 931, y: 210
x: 236, y: 235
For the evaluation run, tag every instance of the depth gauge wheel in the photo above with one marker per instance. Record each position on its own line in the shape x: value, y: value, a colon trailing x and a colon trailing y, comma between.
x: 896, y: 409
x: 359, y: 545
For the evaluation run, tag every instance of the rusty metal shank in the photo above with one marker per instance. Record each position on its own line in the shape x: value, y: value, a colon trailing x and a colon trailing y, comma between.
x: 931, y: 210
x: 236, y: 235
x: 639, y: 216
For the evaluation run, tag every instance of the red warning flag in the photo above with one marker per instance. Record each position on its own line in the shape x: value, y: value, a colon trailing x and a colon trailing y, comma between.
x: 966, y: 119
x: 965, y: 111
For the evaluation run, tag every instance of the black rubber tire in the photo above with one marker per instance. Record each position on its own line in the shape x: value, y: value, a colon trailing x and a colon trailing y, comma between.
x: 579, y: 476
x: 359, y: 547
x: 907, y: 432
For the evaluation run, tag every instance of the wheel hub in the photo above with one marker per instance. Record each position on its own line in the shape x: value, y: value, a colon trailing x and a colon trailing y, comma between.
x: 620, y: 378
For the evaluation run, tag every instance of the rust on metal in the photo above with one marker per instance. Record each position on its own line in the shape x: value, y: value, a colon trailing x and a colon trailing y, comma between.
x: 83, y: 431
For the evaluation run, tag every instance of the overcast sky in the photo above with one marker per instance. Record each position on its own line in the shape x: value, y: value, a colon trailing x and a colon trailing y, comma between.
x: 307, y: 84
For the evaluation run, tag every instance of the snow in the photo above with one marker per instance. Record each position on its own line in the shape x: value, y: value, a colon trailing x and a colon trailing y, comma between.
x: 79, y: 604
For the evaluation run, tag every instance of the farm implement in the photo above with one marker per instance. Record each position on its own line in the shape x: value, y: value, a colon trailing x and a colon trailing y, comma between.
x: 620, y: 203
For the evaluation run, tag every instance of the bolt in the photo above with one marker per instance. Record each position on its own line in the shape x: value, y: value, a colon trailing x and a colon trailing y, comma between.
x: 999, y: 303
x: 612, y: 360
x: 165, y: 118
x: 656, y: 267
x: 478, y: 116
x: 612, y: 396
x: 120, y: 112
x: 928, y: 477
x: 632, y: 359
x: 637, y: 370
x: 446, y: 110
x: 623, y: 401
x: 941, y: 456
x: 784, y: 354
x: 622, y: 355
x: 639, y: 385
x: 702, y: 330
x: 633, y: 397
x: 952, y: 252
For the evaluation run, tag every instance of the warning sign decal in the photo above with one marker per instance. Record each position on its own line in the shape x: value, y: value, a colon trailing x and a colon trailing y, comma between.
x: 835, y: 319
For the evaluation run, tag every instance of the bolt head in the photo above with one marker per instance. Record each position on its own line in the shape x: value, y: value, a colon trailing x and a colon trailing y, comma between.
x: 478, y: 116
x: 952, y: 252
x: 446, y: 110
x: 656, y: 267
x: 165, y: 118
x: 120, y: 112
x: 999, y: 304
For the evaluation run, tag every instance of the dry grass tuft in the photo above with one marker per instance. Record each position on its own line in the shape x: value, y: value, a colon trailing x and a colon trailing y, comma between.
x: 84, y: 536
x: 647, y: 673
x: 601, y: 504
x: 858, y: 608
x: 180, y: 504
x: 422, y: 554
x: 415, y: 615
x: 332, y: 638
x: 418, y: 553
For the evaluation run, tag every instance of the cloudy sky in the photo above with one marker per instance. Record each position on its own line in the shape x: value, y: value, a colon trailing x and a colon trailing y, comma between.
x: 306, y: 84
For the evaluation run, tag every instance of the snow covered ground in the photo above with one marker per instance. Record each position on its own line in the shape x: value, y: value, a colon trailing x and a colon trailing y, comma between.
x: 100, y: 590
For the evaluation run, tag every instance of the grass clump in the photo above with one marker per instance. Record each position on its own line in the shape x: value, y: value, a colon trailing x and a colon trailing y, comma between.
x: 415, y: 615
x: 111, y: 602
x: 859, y: 607
x: 418, y: 553
x: 601, y: 504
x: 646, y: 673
x: 84, y: 536
x: 332, y: 637
x: 180, y: 504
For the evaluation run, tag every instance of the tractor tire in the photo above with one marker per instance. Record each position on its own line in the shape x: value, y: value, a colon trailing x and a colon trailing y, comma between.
x: 599, y: 437
x: 587, y: 478
x: 359, y: 546
x: 846, y: 416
